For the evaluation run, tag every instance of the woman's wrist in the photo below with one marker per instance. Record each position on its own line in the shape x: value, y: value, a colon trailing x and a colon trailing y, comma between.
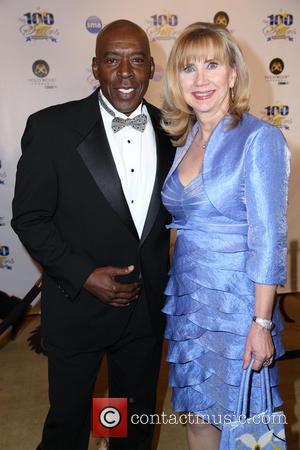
x: 266, y: 324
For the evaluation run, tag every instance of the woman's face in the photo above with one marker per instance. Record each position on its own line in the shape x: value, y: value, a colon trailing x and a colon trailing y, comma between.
x: 205, y: 87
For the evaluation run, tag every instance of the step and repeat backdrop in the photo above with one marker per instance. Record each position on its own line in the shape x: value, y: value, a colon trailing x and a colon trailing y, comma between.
x: 46, y: 51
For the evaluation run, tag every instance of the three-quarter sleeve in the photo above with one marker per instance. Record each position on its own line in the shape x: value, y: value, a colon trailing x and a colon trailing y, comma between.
x: 266, y: 184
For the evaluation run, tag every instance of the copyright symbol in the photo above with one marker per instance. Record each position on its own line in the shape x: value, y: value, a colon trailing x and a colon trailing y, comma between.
x: 109, y: 417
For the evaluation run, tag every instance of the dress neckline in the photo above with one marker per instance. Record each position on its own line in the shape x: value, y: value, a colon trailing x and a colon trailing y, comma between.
x: 185, y: 186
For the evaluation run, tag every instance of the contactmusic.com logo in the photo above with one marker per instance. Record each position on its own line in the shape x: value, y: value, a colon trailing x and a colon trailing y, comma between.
x: 109, y: 417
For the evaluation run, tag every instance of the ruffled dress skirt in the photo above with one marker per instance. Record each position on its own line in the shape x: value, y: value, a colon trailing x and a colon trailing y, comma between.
x: 209, y: 307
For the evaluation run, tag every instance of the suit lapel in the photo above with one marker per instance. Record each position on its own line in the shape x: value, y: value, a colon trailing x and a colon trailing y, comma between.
x: 162, y: 167
x: 96, y: 155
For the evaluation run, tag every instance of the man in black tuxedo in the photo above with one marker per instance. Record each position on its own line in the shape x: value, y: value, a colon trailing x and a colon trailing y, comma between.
x: 87, y: 207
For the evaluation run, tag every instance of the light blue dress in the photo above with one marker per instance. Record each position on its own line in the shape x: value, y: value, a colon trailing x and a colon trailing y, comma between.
x: 210, y: 293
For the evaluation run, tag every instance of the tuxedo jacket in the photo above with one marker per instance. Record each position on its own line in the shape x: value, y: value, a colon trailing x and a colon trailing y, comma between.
x: 71, y: 214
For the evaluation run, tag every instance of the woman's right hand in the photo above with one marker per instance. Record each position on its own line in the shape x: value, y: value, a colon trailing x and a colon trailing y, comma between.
x: 259, y: 345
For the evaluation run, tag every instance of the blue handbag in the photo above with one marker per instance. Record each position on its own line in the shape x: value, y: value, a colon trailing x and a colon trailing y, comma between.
x: 264, y: 431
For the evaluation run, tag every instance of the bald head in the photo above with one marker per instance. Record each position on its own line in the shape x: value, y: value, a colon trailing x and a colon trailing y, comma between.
x: 123, y: 64
x: 119, y: 26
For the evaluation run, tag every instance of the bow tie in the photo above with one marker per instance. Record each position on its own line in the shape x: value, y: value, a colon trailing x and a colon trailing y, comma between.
x: 138, y: 122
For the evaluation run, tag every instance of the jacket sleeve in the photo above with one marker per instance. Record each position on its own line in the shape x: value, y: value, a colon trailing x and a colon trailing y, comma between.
x: 266, y: 186
x: 34, y: 207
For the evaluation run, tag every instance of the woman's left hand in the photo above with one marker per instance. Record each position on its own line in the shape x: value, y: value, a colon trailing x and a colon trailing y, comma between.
x: 259, y: 345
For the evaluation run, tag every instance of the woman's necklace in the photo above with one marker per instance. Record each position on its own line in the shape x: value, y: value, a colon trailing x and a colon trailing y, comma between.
x: 202, y: 144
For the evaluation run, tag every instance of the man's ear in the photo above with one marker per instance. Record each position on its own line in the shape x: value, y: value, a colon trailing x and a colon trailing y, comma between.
x: 152, y: 68
x: 95, y: 68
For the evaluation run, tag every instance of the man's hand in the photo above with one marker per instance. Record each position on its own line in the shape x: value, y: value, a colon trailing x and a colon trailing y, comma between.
x: 103, y: 285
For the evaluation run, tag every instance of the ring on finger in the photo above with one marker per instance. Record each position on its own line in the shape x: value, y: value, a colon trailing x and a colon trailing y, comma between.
x: 267, y: 362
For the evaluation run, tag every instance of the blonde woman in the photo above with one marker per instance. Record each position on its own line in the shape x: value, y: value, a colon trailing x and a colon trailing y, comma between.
x: 227, y: 193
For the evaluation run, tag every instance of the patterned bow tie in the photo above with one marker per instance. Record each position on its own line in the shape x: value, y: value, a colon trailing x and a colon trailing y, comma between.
x: 138, y: 122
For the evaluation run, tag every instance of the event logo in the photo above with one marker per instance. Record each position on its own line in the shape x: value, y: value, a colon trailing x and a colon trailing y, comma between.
x: 3, y: 174
x: 278, y: 115
x: 162, y: 27
x: 41, y: 70
x: 93, y: 24
x: 5, y: 261
x: 276, y: 68
x: 38, y: 25
x: 221, y: 18
x: 279, y: 26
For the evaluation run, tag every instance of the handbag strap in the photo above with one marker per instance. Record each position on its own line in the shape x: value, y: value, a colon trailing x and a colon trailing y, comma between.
x: 244, y: 388
x: 243, y: 399
x: 269, y: 405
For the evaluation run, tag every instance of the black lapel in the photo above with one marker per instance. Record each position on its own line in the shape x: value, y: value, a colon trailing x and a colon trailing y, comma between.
x: 96, y: 154
x: 164, y: 159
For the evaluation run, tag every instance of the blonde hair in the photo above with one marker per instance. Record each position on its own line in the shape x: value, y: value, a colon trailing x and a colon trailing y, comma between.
x: 195, y: 43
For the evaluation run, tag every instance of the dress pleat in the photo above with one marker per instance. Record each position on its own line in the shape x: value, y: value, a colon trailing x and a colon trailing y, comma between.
x: 209, y: 307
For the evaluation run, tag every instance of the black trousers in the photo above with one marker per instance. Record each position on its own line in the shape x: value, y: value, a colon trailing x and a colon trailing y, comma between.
x: 133, y: 368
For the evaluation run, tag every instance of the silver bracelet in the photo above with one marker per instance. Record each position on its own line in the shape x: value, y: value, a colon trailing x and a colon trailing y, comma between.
x: 264, y: 323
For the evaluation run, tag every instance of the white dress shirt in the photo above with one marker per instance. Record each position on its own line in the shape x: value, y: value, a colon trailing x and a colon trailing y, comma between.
x: 135, y: 158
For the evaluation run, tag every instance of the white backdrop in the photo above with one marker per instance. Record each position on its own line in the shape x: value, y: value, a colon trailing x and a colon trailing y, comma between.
x: 46, y: 51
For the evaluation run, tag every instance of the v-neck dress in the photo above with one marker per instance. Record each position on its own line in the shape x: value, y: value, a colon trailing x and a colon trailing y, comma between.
x: 209, y: 306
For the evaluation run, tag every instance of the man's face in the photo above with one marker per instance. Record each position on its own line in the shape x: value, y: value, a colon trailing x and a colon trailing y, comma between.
x: 123, y: 66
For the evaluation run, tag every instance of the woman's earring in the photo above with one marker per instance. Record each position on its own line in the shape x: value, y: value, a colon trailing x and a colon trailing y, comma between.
x: 231, y: 94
